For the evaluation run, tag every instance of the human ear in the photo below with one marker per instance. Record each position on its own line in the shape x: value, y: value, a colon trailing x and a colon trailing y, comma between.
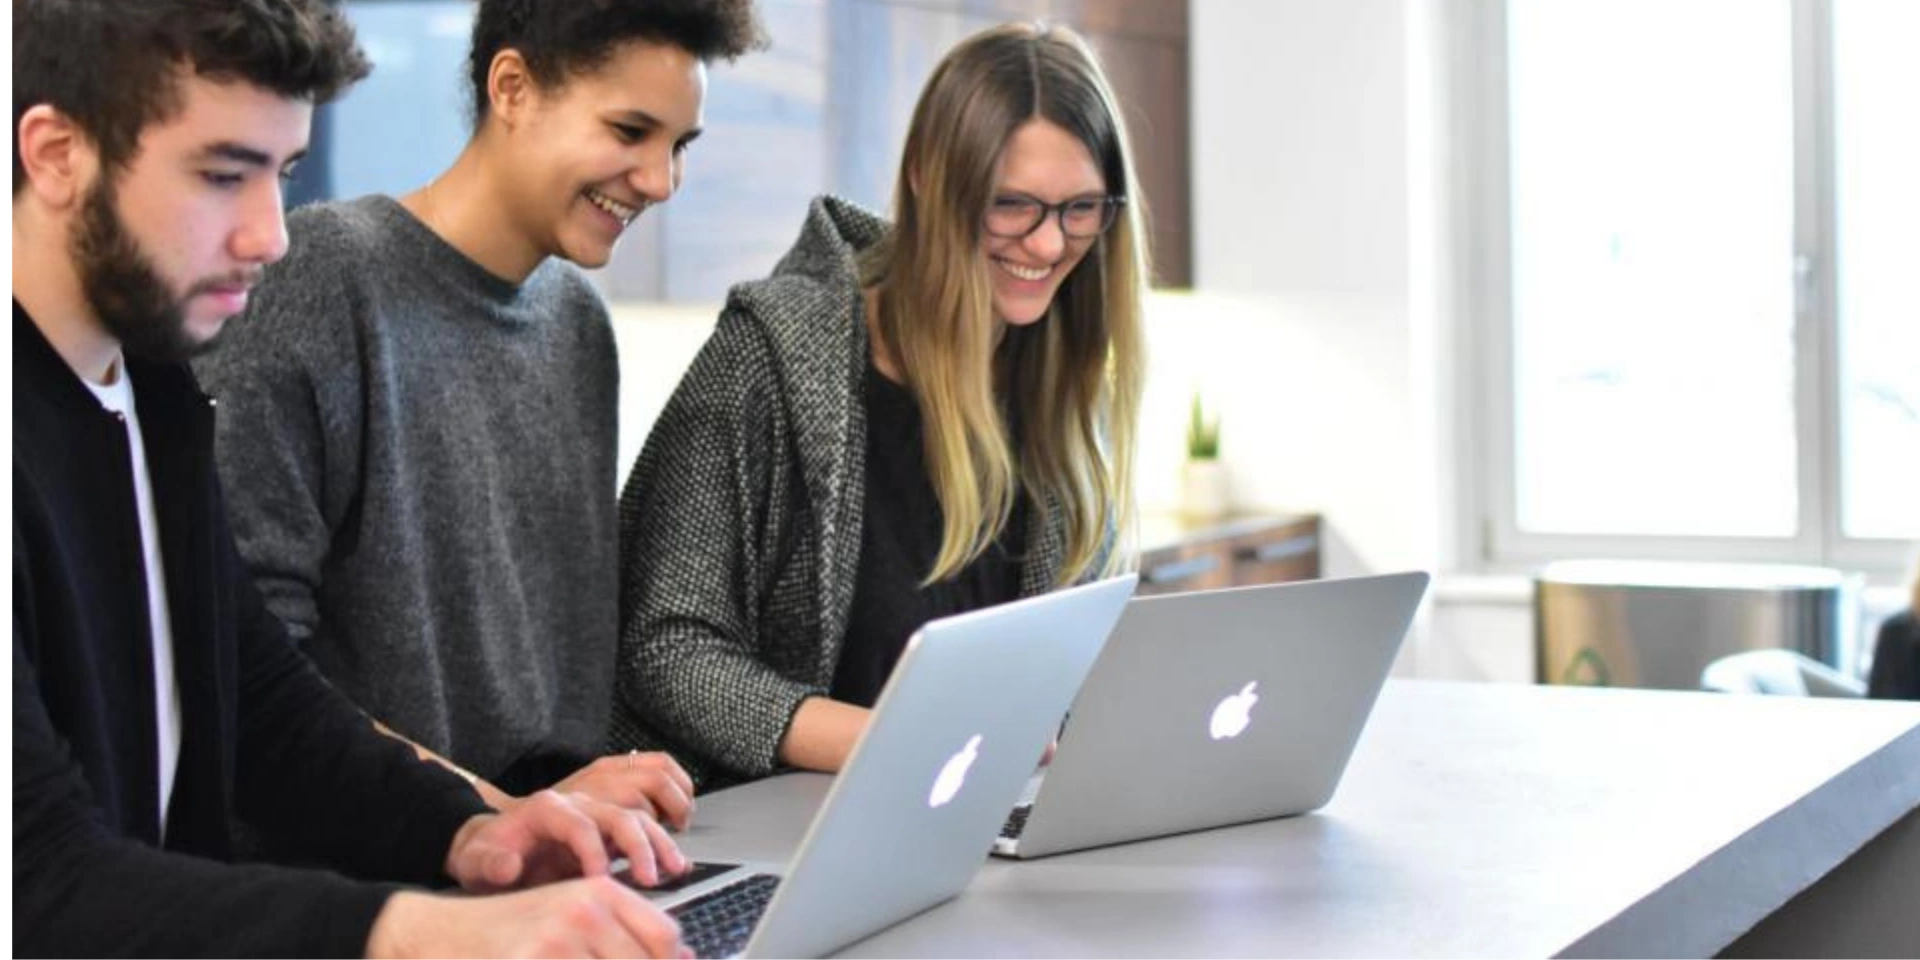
x: 58, y: 157
x: 510, y: 86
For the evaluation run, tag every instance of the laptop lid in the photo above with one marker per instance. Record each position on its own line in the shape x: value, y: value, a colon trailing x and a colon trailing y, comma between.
x: 959, y: 728
x: 1250, y: 699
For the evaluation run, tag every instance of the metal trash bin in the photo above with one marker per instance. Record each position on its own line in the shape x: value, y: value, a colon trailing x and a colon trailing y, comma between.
x: 1658, y: 624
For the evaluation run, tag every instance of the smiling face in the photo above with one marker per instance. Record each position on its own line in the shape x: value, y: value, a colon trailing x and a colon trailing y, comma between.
x: 1046, y: 163
x: 168, y: 247
x: 594, y: 152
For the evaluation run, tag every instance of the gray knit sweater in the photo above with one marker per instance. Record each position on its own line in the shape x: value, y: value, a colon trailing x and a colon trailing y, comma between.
x: 420, y: 462
x: 740, y: 525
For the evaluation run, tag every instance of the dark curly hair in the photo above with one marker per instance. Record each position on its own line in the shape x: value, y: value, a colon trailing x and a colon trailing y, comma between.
x: 112, y: 65
x: 560, y: 39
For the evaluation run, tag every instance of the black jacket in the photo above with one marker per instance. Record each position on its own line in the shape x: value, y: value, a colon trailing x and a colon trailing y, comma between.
x: 263, y: 737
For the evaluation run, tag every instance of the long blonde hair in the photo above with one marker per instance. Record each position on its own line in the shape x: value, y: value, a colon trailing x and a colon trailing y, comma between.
x: 1075, y: 378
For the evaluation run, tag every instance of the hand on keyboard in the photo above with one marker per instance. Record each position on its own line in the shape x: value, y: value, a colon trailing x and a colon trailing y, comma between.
x: 554, y: 836
x: 592, y: 917
x: 653, y: 783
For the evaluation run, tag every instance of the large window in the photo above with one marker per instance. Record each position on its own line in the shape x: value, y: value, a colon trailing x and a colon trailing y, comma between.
x: 1697, y: 271
x: 1876, y: 146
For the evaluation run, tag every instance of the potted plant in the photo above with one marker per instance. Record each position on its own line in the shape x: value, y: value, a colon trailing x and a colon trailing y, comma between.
x: 1203, y: 489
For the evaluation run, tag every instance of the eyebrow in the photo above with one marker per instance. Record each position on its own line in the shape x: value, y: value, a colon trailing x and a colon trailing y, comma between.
x: 251, y: 156
x: 1070, y: 198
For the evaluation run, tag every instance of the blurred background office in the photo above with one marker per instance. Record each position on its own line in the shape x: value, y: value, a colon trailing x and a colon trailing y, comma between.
x: 1476, y: 285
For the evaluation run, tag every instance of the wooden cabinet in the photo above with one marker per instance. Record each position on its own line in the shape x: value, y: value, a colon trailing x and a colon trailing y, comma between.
x: 1178, y: 555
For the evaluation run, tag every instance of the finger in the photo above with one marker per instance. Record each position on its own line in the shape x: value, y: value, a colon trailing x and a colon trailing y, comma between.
x: 662, y: 768
x: 657, y: 933
x: 484, y: 864
x: 502, y: 867
x: 567, y: 821
x: 678, y: 773
x: 670, y: 803
x: 635, y: 798
x: 594, y: 922
x: 623, y: 828
x: 665, y: 850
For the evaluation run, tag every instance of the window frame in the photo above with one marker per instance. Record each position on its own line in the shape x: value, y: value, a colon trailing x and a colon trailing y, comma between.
x: 1492, y: 540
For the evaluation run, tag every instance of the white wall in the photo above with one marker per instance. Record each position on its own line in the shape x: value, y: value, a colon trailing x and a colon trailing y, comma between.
x: 1314, y: 171
x: 1320, y: 201
x: 1323, y: 197
x: 657, y: 342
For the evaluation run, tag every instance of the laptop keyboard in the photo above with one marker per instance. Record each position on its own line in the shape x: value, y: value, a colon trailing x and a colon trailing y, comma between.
x: 720, y: 923
x: 1016, y: 822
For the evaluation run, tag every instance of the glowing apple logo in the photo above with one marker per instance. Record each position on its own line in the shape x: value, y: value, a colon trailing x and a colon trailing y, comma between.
x: 954, y: 774
x: 1233, y: 713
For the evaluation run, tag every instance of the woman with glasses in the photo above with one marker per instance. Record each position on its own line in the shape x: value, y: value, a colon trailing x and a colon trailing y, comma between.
x: 904, y: 421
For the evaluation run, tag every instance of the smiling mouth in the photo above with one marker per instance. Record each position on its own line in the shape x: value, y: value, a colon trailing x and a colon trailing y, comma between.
x: 1023, y: 272
x: 611, y: 207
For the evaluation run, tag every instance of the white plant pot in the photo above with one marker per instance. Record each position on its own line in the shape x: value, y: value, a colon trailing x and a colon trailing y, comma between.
x: 1203, y: 490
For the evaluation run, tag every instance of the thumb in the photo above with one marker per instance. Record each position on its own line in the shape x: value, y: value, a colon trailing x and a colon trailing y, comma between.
x: 500, y: 866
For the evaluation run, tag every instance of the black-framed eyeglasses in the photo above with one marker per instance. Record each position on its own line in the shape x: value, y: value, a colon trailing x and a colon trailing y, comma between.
x: 1015, y: 215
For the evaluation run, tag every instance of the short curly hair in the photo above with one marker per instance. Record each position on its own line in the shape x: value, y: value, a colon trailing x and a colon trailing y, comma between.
x: 112, y: 66
x: 560, y: 39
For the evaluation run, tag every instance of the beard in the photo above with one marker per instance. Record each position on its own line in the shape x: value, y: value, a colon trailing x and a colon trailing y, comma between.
x: 127, y: 293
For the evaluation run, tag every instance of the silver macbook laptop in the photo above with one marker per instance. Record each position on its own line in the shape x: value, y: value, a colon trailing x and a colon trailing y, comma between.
x: 1244, y: 704
x: 954, y: 736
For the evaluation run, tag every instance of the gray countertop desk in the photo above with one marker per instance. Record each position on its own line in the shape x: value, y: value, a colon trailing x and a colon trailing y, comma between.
x: 1480, y: 820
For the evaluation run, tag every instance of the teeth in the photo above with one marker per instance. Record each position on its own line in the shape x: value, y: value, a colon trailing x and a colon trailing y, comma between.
x: 620, y: 211
x: 1025, y: 273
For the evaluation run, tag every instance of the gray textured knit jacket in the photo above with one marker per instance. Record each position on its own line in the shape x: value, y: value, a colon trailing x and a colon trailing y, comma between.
x: 740, y: 525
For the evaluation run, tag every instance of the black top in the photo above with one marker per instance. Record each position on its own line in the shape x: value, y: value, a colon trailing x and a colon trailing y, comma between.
x: 900, y: 537
x: 263, y: 737
x: 1896, y: 659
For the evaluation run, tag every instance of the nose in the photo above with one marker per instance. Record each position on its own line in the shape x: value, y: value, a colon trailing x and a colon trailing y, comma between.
x: 261, y: 235
x: 1047, y: 241
x: 657, y: 175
